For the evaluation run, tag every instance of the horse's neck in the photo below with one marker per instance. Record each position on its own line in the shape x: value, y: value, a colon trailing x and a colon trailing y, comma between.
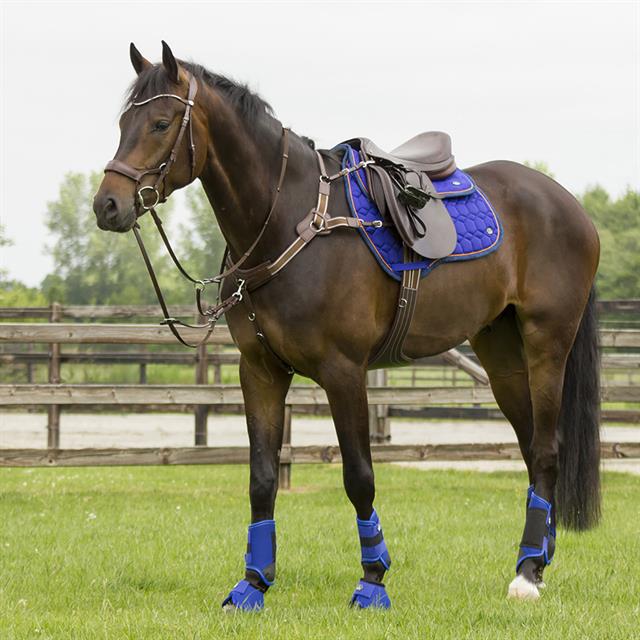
x: 241, y: 174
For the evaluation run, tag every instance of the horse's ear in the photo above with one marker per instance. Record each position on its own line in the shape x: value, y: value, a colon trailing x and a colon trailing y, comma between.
x: 139, y: 62
x: 169, y: 62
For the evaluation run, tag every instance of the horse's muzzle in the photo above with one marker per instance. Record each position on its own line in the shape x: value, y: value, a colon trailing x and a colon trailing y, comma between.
x: 111, y: 215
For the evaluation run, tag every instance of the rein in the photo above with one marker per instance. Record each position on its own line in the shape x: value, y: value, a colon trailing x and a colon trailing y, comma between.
x: 317, y: 221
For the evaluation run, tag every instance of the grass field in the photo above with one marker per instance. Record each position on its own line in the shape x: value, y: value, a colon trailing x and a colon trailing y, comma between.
x: 151, y: 552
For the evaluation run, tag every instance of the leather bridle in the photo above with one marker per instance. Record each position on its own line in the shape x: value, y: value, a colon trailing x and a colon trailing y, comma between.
x: 138, y: 175
x: 213, y: 313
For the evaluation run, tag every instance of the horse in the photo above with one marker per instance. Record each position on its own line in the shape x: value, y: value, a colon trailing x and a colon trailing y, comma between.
x: 527, y: 309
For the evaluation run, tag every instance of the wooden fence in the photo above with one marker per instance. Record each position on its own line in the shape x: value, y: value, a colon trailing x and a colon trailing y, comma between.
x: 621, y: 349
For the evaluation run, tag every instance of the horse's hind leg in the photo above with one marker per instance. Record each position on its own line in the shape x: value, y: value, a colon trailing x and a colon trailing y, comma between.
x: 526, y: 378
x: 547, y: 341
x: 345, y: 384
x: 264, y: 387
x: 500, y: 350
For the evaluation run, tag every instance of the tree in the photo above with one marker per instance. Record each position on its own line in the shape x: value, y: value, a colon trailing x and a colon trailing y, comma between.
x: 618, y: 224
x: 202, y: 244
x: 92, y: 266
x: 4, y: 242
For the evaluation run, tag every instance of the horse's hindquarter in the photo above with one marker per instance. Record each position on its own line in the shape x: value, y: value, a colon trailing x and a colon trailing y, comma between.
x: 547, y: 259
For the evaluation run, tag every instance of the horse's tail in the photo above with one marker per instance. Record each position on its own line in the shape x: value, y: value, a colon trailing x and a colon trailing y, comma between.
x: 578, y: 487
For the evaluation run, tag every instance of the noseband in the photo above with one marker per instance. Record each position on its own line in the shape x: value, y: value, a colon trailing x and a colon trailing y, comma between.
x: 137, y: 175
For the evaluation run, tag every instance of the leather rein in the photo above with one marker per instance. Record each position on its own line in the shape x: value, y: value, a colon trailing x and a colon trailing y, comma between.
x: 317, y: 221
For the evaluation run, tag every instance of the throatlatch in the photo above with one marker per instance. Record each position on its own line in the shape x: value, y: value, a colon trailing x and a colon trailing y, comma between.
x: 260, y: 564
x: 374, y: 550
x: 539, y: 536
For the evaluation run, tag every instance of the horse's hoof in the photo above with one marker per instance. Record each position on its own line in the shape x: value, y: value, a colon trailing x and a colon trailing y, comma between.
x: 523, y: 589
x: 370, y: 596
x: 244, y: 597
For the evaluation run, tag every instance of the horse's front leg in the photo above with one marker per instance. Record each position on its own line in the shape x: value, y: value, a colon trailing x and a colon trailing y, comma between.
x: 345, y: 384
x: 264, y: 387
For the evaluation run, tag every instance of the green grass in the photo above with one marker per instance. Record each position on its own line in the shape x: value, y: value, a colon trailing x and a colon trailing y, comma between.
x: 151, y: 552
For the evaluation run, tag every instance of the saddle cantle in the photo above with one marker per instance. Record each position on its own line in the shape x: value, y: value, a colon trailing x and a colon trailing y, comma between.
x: 402, y: 187
x: 428, y: 152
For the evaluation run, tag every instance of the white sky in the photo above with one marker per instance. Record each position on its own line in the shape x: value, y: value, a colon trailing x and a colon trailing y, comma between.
x: 552, y: 81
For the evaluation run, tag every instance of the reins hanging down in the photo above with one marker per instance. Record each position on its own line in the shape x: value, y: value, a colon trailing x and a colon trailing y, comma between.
x: 213, y: 313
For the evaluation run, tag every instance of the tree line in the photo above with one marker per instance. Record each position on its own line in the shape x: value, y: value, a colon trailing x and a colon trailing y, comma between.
x: 94, y: 267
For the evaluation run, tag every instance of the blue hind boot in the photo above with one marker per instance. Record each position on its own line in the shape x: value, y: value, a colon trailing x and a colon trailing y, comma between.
x: 260, y: 568
x: 375, y: 560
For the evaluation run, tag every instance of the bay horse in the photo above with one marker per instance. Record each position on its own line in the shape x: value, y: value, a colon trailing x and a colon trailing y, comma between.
x: 527, y: 309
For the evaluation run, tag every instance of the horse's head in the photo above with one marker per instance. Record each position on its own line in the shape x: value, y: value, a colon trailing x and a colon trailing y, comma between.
x: 157, y: 153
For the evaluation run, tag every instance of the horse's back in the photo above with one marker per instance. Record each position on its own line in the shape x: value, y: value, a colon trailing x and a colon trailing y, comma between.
x: 552, y: 240
x: 542, y: 205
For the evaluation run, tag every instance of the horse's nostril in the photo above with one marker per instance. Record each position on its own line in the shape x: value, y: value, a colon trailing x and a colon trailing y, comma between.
x: 110, y: 209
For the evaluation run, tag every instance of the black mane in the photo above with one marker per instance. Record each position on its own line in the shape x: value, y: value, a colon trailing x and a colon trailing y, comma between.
x: 249, y: 105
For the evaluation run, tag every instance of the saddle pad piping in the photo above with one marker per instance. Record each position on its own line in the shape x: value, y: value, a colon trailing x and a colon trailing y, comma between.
x: 395, y: 268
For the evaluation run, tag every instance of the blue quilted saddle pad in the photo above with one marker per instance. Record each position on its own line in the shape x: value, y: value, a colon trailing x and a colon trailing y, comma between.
x: 478, y: 226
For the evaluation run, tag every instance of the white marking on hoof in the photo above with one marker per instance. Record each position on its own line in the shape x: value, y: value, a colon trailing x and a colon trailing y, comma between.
x: 522, y: 589
x: 230, y: 608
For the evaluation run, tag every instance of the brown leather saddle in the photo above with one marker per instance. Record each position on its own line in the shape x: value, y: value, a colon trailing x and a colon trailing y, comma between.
x: 401, y: 185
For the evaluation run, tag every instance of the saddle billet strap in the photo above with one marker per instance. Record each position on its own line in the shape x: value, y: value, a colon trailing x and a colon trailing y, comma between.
x: 391, y: 350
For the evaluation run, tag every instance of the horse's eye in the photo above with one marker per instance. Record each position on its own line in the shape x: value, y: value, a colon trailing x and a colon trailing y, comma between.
x: 161, y: 125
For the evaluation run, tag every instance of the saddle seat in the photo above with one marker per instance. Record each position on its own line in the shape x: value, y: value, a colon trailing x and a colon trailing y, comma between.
x: 428, y: 152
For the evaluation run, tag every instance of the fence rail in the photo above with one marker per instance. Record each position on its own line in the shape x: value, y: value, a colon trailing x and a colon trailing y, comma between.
x: 135, y: 394
x: 385, y: 400
x: 289, y: 455
x: 98, y: 333
x: 92, y: 312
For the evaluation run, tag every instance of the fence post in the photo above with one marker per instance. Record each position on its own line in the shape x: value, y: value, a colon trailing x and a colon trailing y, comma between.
x: 217, y: 368
x: 53, y: 422
x: 202, y: 410
x: 30, y: 365
x: 379, y: 426
x: 284, y: 469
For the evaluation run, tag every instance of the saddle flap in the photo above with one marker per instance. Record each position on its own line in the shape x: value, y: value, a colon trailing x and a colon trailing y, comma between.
x: 429, y: 231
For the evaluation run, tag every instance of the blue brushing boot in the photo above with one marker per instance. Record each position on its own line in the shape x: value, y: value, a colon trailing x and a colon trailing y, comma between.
x: 260, y: 563
x: 369, y: 595
x: 539, y: 537
x: 374, y: 552
x: 245, y: 596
